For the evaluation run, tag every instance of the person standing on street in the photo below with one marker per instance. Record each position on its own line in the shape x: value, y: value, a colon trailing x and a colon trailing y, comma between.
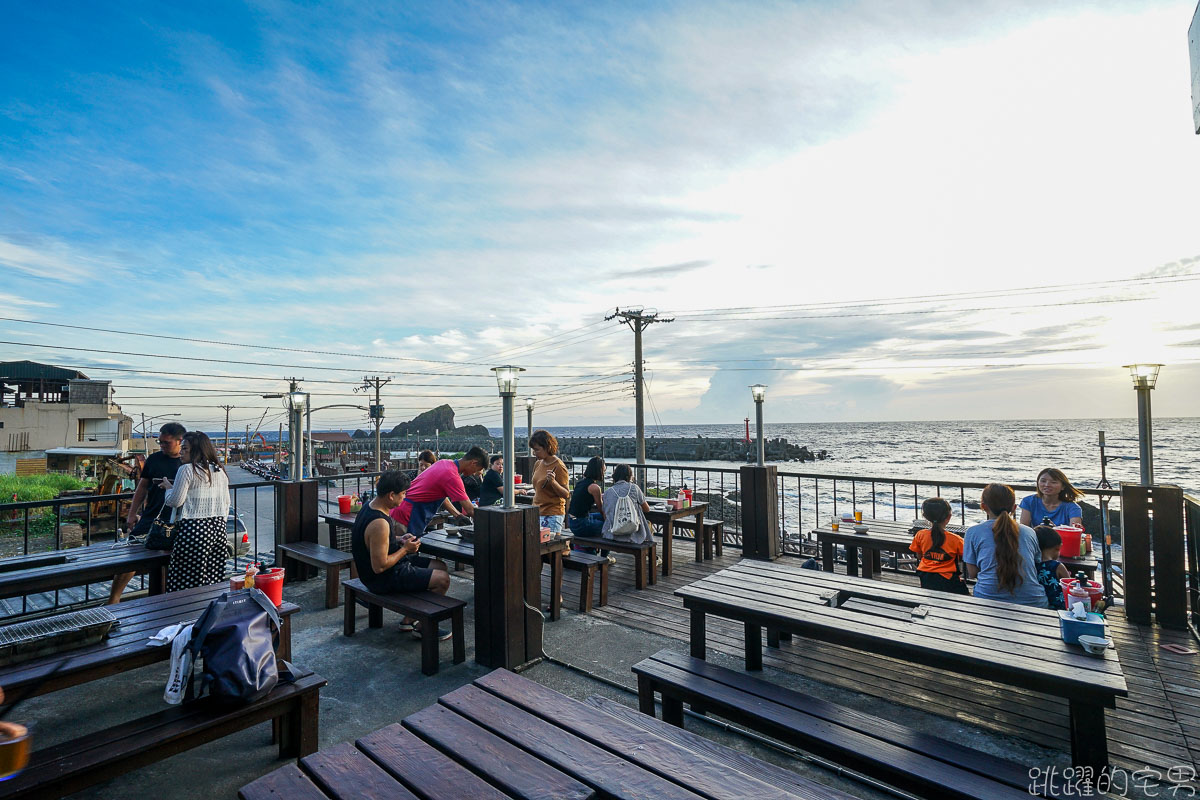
x: 148, y: 496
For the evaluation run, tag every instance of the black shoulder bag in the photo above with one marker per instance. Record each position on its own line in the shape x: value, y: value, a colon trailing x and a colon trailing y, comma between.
x: 161, y: 535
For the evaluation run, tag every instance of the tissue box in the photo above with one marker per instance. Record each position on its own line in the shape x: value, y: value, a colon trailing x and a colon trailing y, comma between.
x: 1073, y: 628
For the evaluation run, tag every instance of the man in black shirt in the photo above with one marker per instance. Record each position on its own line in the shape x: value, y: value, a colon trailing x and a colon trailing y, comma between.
x: 148, y: 496
x: 493, y: 483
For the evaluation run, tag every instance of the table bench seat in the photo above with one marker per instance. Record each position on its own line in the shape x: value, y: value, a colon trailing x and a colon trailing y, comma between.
x: 709, y: 540
x: 918, y: 762
x: 586, y: 564
x: 71, y: 766
x: 428, y: 608
x: 645, y: 555
x: 325, y: 558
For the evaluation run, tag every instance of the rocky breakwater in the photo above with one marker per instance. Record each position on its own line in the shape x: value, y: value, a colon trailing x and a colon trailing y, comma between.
x: 685, y: 449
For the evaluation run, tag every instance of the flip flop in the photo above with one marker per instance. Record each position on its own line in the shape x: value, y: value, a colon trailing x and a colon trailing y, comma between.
x: 1178, y: 649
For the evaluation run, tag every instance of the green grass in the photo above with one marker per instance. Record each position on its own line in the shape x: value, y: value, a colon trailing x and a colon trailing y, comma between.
x: 36, y: 487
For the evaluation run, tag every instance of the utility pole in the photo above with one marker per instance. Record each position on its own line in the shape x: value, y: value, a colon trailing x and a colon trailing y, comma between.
x: 376, y: 414
x: 227, y: 410
x: 638, y: 320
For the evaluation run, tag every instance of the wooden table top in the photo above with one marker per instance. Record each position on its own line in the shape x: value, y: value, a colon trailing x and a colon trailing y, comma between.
x: 989, y: 639
x: 444, y: 544
x: 125, y: 648
x: 507, y: 736
x: 60, y: 569
x: 660, y: 514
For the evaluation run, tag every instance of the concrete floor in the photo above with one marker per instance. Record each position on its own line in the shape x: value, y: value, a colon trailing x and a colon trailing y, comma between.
x: 375, y: 680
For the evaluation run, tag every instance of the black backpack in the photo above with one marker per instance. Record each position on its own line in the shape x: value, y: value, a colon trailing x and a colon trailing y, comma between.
x: 237, y: 635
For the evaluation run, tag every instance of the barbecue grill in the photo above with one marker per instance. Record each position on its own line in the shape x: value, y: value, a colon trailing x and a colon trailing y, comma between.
x: 38, y: 637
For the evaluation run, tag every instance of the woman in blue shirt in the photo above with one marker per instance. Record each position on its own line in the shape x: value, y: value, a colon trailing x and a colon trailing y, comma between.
x: 1001, y: 555
x: 1055, y: 499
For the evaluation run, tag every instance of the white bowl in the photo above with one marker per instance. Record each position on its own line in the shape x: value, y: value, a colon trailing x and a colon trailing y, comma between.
x: 860, y: 529
x: 1096, y: 645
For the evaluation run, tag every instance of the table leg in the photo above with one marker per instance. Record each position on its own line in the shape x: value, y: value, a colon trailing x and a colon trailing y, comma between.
x: 772, y: 637
x: 698, y: 646
x: 699, y: 543
x: 333, y: 582
x: 556, y: 571
x: 876, y: 564
x: 651, y: 566
x: 753, y: 647
x: 851, y: 560
x: 668, y: 535
x: 158, y: 580
x: 827, y: 556
x: 1089, y: 738
x: 284, y: 650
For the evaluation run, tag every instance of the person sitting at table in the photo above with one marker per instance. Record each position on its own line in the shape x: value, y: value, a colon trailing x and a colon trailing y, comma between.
x: 1050, y: 569
x: 433, y: 487
x: 491, y: 493
x: 585, y: 515
x: 623, y: 487
x: 550, y: 478
x: 1055, y: 499
x: 1001, y: 555
x: 386, y: 559
x: 939, y: 549
x: 425, y: 460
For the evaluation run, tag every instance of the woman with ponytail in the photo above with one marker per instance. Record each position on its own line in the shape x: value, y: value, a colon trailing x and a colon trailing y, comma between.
x: 1001, y: 554
x: 939, y: 549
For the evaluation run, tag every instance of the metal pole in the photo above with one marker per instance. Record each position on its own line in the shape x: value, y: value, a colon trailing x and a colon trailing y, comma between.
x: 640, y: 418
x: 509, y: 447
x: 762, y: 445
x: 529, y: 429
x: 1145, y: 437
x: 308, y: 448
x: 378, y: 432
x: 145, y: 437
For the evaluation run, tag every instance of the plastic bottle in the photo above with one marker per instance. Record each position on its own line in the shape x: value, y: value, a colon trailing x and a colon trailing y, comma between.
x: 1078, y: 594
x: 1047, y: 521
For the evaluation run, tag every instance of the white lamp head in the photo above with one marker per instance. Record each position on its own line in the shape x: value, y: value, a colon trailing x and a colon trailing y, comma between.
x: 1144, y: 374
x: 529, y: 404
x: 506, y: 378
x: 759, y: 392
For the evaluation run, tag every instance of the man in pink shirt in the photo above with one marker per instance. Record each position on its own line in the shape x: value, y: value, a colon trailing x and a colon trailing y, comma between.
x: 438, y: 484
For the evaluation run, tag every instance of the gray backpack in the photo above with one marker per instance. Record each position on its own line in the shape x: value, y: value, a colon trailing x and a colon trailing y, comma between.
x: 237, y: 635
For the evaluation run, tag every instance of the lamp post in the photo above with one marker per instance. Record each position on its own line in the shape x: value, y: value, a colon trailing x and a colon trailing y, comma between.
x: 506, y: 382
x: 294, y: 401
x: 1144, y: 377
x: 529, y: 423
x: 759, y: 392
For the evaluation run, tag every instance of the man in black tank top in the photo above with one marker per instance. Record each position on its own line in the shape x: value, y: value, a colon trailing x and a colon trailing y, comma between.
x: 388, y: 563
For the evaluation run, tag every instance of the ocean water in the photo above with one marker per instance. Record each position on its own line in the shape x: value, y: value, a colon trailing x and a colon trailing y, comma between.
x: 1011, y: 451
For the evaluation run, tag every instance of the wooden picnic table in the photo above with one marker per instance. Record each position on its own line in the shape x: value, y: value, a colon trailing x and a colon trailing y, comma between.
x: 895, y: 536
x: 505, y: 736
x: 1000, y: 642
x: 126, y: 647
x: 664, y: 516
x: 448, y: 545
x: 79, y: 566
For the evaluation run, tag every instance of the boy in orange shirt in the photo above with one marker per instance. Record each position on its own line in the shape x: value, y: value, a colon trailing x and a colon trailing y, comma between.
x: 940, y: 551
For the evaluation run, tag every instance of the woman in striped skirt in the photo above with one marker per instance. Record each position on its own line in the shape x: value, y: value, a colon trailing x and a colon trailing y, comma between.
x: 200, y: 495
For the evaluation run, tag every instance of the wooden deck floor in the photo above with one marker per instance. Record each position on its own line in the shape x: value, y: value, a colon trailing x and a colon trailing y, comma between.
x: 1156, y: 727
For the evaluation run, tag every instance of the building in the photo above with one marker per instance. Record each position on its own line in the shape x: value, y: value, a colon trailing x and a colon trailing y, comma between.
x: 57, y: 419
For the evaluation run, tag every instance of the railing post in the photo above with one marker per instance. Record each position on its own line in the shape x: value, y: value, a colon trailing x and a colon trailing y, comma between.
x: 760, y: 512
x: 508, y: 587
x: 1152, y: 523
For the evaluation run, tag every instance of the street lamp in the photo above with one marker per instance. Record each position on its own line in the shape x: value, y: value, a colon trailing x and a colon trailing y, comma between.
x: 529, y: 423
x: 759, y: 392
x: 506, y: 381
x: 294, y: 401
x: 1144, y: 377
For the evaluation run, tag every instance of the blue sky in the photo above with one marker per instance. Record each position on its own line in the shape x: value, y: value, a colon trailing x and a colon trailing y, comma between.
x: 882, y: 188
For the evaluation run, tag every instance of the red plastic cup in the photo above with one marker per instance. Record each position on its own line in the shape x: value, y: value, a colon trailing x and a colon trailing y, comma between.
x: 344, y: 503
x: 270, y: 583
x: 517, y: 478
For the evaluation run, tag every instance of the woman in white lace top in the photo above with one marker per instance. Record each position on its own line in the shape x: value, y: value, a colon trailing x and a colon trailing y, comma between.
x: 200, y: 495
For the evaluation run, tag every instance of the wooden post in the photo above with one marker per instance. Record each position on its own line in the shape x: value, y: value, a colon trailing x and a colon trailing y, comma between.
x: 296, y: 519
x: 760, y: 512
x: 508, y: 587
x: 1152, y: 522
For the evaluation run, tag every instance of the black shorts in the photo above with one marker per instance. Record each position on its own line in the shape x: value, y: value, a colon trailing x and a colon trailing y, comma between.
x: 941, y: 583
x: 411, y: 574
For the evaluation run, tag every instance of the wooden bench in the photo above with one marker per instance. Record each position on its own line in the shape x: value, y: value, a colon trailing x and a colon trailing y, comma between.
x: 587, y: 564
x: 709, y: 538
x: 917, y: 762
x: 71, y: 766
x: 428, y: 608
x: 645, y: 555
x: 326, y: 558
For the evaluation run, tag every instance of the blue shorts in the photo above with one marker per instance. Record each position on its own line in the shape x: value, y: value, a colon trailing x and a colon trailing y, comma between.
x: 553, y: 522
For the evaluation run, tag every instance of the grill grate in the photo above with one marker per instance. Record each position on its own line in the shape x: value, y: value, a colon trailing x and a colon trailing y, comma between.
x: 23, y: 640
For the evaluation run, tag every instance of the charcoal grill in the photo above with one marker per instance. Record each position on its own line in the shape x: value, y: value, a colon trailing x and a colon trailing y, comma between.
x: 38, y: 637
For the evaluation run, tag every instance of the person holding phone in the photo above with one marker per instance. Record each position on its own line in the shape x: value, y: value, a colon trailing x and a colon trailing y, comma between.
x: 148, y: 494
x: 550, y: 478
x: 386, y: 559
